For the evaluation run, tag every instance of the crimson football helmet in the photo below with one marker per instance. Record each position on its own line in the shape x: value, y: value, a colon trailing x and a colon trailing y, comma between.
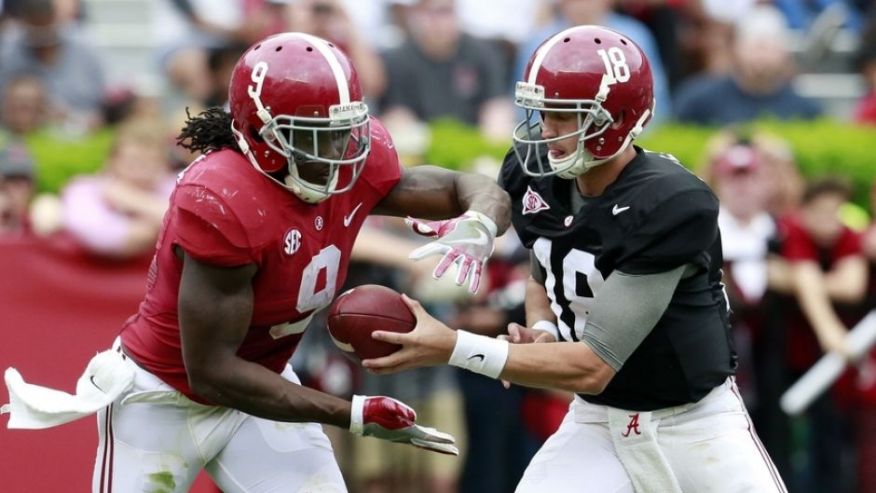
x: 297, y: 105
x: 600, y: 75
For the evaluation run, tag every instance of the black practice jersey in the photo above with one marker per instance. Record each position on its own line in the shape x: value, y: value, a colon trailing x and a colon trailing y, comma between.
x: 655, y: 217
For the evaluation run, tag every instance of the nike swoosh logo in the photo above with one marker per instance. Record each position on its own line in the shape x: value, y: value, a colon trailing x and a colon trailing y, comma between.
x: 348, y: 219
x: 617, y: 210
x: 96, y: 385
x: 480, y: 356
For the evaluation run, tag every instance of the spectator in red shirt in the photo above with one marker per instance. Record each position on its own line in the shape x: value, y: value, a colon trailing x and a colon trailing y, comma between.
x: 826, y: 265
x: 864, y: 382
x: 827, y: 274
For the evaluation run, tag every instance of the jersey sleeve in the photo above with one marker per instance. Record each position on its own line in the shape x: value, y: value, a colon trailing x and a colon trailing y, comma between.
x: 679, y: 230
x: 207, y: 228
x: 511, y: 178
x: 383, y: 169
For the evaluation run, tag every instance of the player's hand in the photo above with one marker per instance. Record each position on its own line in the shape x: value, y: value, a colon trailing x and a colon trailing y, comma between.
x: 466, y: 240
x: 518, y: 334
x: 389, y: 419
x: 429, y: 344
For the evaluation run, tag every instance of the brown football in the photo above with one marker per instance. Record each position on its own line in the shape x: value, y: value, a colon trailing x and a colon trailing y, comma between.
x: 358, y: 312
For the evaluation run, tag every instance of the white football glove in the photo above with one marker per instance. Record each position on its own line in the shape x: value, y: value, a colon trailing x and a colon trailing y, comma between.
x: 466, y: 240
x: 389, y: 419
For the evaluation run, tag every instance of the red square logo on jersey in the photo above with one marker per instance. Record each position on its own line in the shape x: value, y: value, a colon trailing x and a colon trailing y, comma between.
x: 533, y: 203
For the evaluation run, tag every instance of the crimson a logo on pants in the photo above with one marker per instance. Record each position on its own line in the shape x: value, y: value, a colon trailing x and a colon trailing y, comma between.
x: 632, y: 426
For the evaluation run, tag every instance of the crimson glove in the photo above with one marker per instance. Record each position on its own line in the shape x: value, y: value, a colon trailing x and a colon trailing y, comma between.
x: 389, y: 419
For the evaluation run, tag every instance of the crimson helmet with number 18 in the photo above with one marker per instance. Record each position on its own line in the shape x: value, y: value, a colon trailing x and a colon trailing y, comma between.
x: 596, y: 73
x: 296, y: 105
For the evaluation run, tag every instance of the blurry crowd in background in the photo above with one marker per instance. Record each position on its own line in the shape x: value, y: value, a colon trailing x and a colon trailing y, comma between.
x: 800, y: 251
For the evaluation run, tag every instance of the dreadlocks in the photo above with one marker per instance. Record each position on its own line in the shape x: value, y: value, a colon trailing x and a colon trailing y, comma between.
x: 208, y: 131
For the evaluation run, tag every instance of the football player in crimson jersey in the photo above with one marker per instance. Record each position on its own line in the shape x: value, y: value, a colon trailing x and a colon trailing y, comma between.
x: 625, y: 306
x: 256, y: 240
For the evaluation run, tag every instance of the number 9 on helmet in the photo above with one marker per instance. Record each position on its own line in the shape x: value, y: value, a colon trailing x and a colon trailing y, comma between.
x: 298, y: 114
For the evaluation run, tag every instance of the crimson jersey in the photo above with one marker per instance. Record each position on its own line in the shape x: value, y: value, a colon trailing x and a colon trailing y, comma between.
x: 803, y: 349
x: 225, y: 212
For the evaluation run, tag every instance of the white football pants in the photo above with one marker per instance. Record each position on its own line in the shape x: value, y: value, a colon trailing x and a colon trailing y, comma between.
x: 707, y: 446
x: 154, y: 439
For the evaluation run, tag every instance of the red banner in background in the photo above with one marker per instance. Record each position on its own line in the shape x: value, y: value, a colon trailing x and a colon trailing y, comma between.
x: 58, y: 307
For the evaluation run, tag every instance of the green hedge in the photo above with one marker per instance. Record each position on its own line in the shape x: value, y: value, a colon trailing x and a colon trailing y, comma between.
x: 821, y: 147
x: 455, y: 145
x: 58, y: 157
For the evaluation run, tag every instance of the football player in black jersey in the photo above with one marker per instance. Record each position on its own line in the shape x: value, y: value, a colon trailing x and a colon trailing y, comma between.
x: 625, y: 306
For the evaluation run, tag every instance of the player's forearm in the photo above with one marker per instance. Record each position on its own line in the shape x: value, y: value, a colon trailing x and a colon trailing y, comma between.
x: 482, y: 194
x: 215, y: 312
x: 570, y: 366
x: 255, y: 390
x: 431, y: 192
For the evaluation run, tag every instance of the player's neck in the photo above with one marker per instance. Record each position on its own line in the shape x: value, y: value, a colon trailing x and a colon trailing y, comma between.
x: 594, y: 182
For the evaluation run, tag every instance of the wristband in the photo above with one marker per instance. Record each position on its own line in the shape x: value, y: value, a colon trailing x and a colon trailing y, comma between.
x: 485, y: 219
x: 549, y: 327
x: 479, y: 354
x: 357, y: 414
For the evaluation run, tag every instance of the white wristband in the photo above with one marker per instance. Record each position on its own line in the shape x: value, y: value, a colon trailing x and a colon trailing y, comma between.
x: 479, y: 354
x: 549, y: 327
x: 485, y: 219
x: 357, y: 414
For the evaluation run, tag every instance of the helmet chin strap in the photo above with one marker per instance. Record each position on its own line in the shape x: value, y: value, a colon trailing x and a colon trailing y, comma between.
x: 304, y: 189
x: 293, y: 184
x: 582, y: 161
x: 572, y: 165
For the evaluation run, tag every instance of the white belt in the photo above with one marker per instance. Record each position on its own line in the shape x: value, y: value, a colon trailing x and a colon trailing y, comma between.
x: 634, y: 435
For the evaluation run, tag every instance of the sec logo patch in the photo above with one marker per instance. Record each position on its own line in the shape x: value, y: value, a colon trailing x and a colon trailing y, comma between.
x: 292, y: 241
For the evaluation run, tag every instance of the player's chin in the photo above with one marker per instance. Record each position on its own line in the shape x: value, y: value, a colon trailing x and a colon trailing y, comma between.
x: 314, y: 172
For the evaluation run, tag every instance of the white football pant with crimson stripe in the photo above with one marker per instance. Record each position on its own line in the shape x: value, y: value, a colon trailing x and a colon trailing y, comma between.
x: 155, y: 439
x: 706, y: 446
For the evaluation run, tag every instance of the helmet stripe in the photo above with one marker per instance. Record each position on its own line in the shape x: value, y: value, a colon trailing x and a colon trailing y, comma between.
x: 322, y: 47
x: 543, y: 52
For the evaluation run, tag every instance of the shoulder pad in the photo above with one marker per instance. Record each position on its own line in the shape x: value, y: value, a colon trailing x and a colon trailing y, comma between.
x: 231, y: 179
x: 511, y: 176
x: 382, y: 169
